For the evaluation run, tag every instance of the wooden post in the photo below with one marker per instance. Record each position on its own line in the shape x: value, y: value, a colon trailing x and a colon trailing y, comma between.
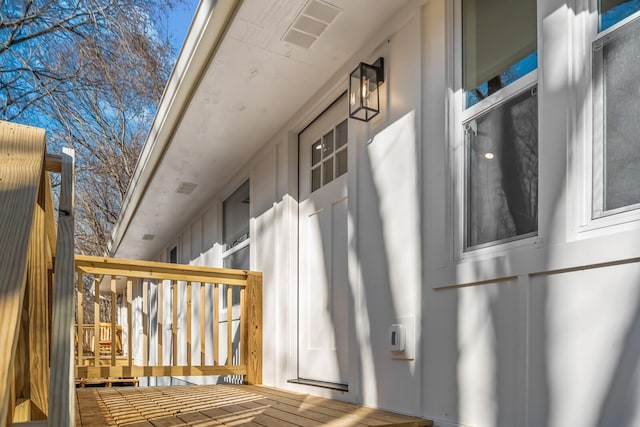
x: 229, y: 325
x: 20, y: 393
x: 203, y: 305
x: 216, y: 325
x: 22, y: 152
x: 79, y: 320
x: 38, y: 308
x: 244, y: 326
x: 189, y: 315
x: 114, y: 303
x: 96, y: 320
x: 129, y: 320
x: 145, y: 322
x: 62, y: 383
x: 160, y: 314
x: 174, y: 323
x: 254, y: 364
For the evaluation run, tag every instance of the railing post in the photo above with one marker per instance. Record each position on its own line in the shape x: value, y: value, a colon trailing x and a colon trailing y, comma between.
x: 36, y: 305
x: 22, y: 150
x: 61, y: 386
x: 254, y: 344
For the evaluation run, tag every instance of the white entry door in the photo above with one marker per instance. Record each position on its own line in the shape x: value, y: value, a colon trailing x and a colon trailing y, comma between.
x: 323, y: 247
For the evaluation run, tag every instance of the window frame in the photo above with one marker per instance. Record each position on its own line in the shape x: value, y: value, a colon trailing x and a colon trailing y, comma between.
x: 237, y: 247
x: 332, y: 156
x: 596, y: 215
x: 458, y: 145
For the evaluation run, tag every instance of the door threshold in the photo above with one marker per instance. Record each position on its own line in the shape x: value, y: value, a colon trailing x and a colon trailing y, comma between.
x: 322, y: 384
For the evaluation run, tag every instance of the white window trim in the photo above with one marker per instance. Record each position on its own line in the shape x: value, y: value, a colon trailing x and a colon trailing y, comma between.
x: 457, y: 151
x: 246, y: 242
x: 596, y: 221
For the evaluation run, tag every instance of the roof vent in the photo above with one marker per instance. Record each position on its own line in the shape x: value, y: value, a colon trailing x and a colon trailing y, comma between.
x: 186, y: 188
x: 148, y: 236
x: 311, y: 23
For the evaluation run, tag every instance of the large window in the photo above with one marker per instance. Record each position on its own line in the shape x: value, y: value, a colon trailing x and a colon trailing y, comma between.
x: 616, y: 85
x: 500, y: 120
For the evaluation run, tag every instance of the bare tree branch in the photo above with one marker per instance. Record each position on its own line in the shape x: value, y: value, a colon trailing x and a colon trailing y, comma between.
x: 91, y: 73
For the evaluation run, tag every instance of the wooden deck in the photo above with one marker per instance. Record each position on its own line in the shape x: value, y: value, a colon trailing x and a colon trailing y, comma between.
x: 223, y: 405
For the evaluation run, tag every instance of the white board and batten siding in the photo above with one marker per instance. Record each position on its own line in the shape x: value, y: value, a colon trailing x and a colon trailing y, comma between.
x: 542, y: 333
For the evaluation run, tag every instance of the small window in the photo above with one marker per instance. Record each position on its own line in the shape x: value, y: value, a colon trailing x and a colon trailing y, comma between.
x: 235, y: 217
x: 616, y: 85
x: 173, y: 255
x: 329, y: 157
x: 502, y: 172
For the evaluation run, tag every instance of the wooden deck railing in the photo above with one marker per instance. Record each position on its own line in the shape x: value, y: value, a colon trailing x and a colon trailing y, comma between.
x: 36, y: 318
x: 189, y: 292
x: 37, y: 272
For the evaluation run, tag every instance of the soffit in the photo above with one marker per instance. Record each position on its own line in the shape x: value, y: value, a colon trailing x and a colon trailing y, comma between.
x: 254, y: 84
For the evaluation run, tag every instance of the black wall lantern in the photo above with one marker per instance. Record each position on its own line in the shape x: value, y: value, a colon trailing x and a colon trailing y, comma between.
x: 364, y: 98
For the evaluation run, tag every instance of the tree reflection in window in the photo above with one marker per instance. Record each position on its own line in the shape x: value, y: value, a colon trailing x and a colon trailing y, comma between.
x: 502, y: 172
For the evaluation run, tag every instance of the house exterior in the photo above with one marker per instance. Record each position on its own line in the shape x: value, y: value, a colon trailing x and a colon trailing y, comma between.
x: 470, y: 254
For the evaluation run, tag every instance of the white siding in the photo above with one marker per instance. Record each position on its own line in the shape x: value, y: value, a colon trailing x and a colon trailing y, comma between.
x: 520, y: 343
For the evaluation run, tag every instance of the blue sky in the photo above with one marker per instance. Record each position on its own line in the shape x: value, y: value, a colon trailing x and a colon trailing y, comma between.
x: 179, y: 21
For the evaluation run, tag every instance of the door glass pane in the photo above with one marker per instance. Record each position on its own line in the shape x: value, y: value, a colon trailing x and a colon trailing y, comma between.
x: 341, y: 134
x: 341, y: 162
x: 316, y: 153
x: 614, y: 11
x: 502, y: 171
x: 499, y: 44
x: 621, y: 86
x: 327, y: 168
x: 316, y: 179
x: 327, y: 144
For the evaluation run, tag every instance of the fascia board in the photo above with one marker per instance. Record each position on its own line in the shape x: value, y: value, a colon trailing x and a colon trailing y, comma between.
x: 210, y: 24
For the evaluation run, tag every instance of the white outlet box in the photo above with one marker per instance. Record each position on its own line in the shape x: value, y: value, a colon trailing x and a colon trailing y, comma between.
x: 408, y: 325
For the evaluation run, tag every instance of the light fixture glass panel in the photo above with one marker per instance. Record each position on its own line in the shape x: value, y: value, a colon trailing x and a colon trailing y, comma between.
x: 341, y: 134
x: 327, y: 171
x: 363, y: 91
x: 316, y: 178
x: 341, y: 162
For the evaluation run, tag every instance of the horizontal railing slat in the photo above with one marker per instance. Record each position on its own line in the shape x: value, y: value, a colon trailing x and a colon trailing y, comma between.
x: 157, y: 371
x: 158, y: 269
x: 139, y: 274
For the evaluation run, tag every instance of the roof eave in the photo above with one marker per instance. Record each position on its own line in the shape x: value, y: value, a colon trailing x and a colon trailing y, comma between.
x: 210, y: 24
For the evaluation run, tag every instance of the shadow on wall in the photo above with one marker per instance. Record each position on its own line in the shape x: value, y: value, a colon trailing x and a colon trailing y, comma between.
x: 387, y: 255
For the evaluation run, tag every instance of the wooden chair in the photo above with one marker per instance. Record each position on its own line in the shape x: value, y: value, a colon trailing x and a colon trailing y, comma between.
x: 104, y: 339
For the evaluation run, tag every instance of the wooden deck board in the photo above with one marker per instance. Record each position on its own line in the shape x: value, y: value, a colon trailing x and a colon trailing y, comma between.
x: 224, y: 405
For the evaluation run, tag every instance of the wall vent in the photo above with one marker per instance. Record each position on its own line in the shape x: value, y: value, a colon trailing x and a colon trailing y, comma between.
x: 148, y: 237
x: 311, y: 23
x: 186, y: 188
